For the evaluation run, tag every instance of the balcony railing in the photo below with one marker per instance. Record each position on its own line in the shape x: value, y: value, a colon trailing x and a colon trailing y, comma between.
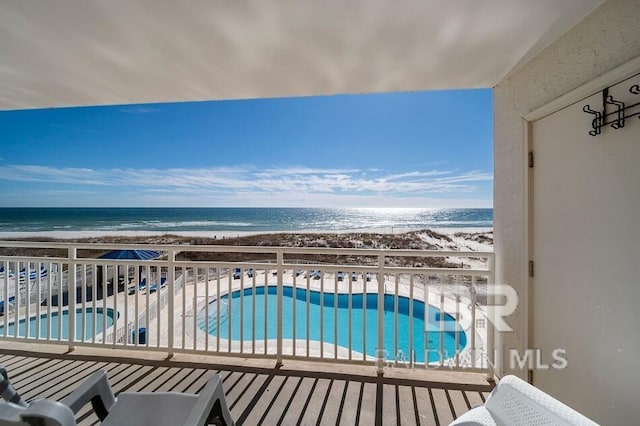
x: 379, y: 307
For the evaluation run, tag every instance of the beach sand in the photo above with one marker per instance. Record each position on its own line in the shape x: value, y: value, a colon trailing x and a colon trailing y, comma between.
x: 75, y: 235
x: 452, y: 240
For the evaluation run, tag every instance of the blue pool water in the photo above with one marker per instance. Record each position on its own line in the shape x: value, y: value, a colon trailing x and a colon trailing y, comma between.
x: 44, y: 324
x: 231, y: 311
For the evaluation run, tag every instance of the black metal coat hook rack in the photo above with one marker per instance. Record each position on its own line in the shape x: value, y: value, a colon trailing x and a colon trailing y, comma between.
x: 613, y: 113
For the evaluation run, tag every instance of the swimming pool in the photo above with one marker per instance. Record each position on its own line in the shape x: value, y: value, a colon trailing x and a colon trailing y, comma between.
x: 44, y: 324
x: 231, y: 311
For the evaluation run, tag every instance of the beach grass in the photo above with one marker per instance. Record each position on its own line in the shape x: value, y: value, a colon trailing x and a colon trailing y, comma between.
x: 425, y: 239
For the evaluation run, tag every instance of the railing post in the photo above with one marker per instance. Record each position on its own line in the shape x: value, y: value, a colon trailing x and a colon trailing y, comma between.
x: 380, y: 352
x: 280, y: 269
x: 171, y: 296
x: 71, y: 296
x: 491, y: 346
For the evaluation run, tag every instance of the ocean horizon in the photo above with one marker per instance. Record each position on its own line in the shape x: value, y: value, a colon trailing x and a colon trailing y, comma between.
x: 61, y: 221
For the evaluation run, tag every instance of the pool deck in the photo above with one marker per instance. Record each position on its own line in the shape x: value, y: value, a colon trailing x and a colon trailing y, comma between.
x: 257, y: 391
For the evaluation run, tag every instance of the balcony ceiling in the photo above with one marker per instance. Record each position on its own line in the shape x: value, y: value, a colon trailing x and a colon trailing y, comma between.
x: 100, y: 52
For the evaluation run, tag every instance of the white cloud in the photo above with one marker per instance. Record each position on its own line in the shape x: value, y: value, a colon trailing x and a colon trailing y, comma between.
x: 246, y: 185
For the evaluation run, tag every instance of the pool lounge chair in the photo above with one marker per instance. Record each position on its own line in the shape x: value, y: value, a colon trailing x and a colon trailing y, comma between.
x: 154, y: 287
x: 129, y: 408
x: 237, y: 273
x: 33, y: 274
x: 141, y: 286
x: 2, y: 304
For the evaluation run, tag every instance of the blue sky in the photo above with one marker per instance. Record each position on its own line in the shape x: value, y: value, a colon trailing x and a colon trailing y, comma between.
x: 417, y: 149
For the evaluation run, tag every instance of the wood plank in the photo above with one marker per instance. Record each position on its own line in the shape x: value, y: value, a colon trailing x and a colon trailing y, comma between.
x: 367, y: 409
x: 36, y: 371
x: 314, y: 404
x: 13, y: 362
x: 332, y: 402
x: 145, y: 382
x: 58, y: 389
x: 474, y: 399
x: 349, y: 405
x: 235, y: 383
x: 175, y: 381
x: 42, y: 377
x: 122, y: 381
x: 426, y: 408
x: 459, y: 404
x: 240, y: 389
x: 264, y: 399
x: 6, y: 358
x: 197, y: 381
x: 282, y: 401
x: 406, y: 407
x: 30, y: 364
x: 113, y: 369
x: 161, y: 379
x: 390, y: 415
x: 443, y: 408
x: 302, y: 394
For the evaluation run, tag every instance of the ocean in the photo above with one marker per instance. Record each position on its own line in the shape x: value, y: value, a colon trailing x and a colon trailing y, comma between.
x: 131, y: 221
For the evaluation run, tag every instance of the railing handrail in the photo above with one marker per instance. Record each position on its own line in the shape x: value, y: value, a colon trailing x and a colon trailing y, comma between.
x: 204, y: 278
x: 247, y: 249
x: 224, y: 264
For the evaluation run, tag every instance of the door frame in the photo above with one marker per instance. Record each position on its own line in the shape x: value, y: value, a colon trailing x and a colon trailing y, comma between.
x: 599, y: 83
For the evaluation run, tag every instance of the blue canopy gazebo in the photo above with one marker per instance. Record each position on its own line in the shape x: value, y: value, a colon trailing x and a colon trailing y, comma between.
x: 111, y: 287
x: 126, y: 255
x: 130, y: 255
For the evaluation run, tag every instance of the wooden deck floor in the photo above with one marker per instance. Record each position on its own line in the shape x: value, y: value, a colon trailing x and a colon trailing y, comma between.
x: 257, y: 394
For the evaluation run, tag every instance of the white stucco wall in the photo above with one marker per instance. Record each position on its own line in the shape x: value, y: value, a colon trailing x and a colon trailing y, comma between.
x: 607, y: 38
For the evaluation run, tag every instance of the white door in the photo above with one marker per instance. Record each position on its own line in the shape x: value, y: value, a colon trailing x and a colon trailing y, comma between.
x: 585, y: 243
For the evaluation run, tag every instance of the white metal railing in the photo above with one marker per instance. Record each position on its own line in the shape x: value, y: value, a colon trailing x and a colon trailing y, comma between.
x: 372, y: 312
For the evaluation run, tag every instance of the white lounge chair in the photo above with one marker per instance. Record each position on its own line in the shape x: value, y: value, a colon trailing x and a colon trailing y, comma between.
x: 516, y: 402
x: 129, y: 408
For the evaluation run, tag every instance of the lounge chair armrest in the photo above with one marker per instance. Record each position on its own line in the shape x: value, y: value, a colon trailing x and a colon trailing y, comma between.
x: 44, y: 409
x: 95, y: 390
x: 211, y: 403
x: 7, y: 391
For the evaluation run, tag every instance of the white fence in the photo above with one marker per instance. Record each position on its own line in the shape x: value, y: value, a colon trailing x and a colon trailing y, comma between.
x: 367, y: 311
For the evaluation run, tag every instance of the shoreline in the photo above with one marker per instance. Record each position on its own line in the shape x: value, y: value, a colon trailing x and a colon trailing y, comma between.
x: 66, y: 235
